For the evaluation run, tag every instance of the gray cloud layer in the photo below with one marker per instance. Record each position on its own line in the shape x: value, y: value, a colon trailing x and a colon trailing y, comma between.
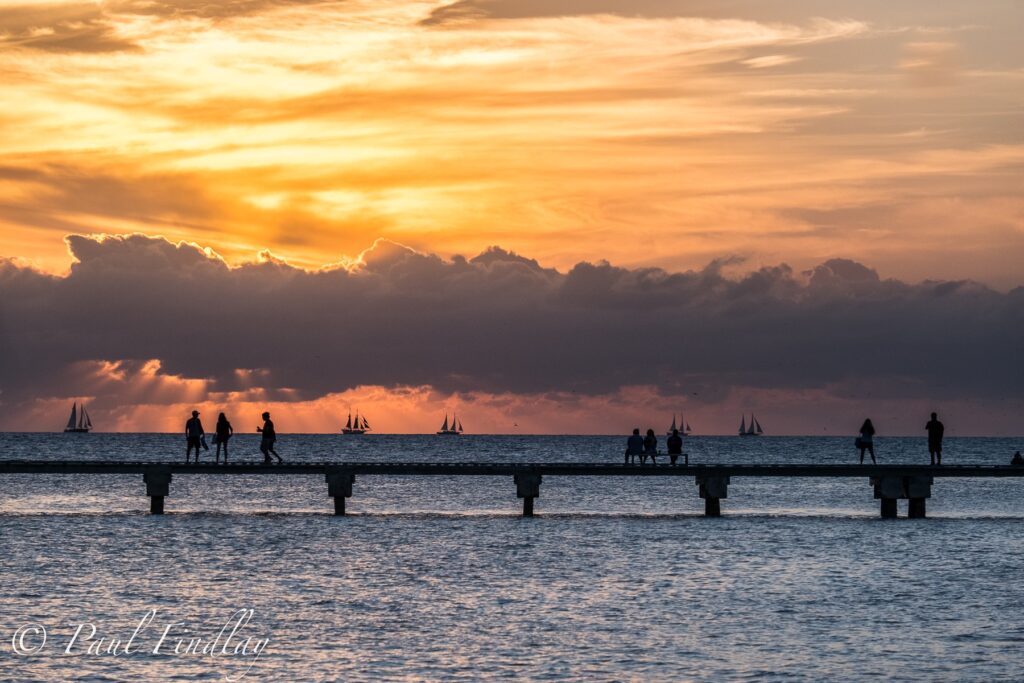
x: 501, y: 323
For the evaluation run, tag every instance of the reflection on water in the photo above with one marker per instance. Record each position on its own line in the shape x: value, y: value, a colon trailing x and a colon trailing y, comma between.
x: 439, y: 578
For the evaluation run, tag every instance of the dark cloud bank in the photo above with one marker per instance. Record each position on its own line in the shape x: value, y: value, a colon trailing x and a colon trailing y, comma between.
x: 500, y: 323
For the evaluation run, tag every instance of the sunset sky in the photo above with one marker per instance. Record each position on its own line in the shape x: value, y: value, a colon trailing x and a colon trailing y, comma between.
x: 755, y: 166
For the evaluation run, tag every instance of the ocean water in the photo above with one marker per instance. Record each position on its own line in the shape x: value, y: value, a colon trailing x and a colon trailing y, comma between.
x: 439, y: 578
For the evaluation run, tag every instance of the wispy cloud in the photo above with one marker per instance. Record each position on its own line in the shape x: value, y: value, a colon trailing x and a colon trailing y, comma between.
x: 667, y: 133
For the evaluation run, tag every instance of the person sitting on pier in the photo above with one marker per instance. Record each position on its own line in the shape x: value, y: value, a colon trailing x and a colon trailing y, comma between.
x: 674, y: 444
x: 865, y: 441
x: 267, y: 442
x: 224, y: 432
x: 935, y: 432
x: 193, y: 435
x: 650, y: 448
x: 634, y: 446
x: 1017, y: 459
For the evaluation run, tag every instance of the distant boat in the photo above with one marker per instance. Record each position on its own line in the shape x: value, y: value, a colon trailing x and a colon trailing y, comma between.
x: 683, y: 428
x: 453, y: 429
x: 753, y: 429
x: 78, y: 423
x: 357, y: 426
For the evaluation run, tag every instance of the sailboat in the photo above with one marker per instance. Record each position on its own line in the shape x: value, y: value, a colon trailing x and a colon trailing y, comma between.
x: 753, y: 429
x: 683, y: 428
x: 79, y: 422
x: 453, y: 429
x: 359, y: 426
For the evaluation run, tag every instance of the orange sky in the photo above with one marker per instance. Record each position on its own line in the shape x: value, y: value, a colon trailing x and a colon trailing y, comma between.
x: 664, y: 133
x: 661, y: 134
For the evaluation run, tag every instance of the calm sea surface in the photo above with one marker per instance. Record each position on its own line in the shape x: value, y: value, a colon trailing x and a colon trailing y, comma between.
x: 439, y: 578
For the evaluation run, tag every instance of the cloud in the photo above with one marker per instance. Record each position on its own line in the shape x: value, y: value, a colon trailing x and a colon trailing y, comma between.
x: 931, y: 64
x: 768, y: 61
x: 176, y: 318
x: 70, y: 27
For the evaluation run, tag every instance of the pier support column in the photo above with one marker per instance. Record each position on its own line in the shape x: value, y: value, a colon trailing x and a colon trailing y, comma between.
x: 915, y: 489
x: 712, y: 490
x: 919, y: 489
x: 888, y: 490
x: 527, y: 488
x: 339, y: 487
x: 158, y: 485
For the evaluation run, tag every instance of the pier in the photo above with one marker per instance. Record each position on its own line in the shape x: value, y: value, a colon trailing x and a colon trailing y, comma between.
x: 890, y: 483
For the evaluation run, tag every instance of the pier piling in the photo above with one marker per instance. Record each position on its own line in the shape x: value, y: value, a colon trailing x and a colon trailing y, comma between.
x: 339, y: 487
x: 888, y: 490
x: 712, y: 490
x: 916, y: 489
x: 527, y: 488
x: 158, y: 485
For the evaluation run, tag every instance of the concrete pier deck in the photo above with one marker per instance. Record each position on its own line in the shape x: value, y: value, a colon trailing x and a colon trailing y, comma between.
x: 890, y: 482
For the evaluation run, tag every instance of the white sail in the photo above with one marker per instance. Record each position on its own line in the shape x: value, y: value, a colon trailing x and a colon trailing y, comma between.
x: 73, y: 420
x: 743, y: 424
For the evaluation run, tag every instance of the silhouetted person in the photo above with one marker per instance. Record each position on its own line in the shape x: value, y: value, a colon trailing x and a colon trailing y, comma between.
x: 634, y: 446
x: 1017, y: 459
x: 650, y: 448
x: 193, y: 435
x: 865, y: 442
x: 935, y: 432
x: 224, y: 432
x: 674, y: 444
x: 267, y: 442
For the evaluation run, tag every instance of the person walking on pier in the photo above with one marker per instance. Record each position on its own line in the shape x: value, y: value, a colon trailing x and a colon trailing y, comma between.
x: 224, y: 432
x: 674, y: 444
x: 193, y: 435
x: 267, y: 442
x: 935, y: 432
x: 865, y: 442
x: 650, y: 448
x: 634, y: 446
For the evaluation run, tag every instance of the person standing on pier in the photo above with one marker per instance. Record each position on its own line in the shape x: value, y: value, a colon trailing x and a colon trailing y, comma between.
x: 193, y: 435
x: 269, y: 437
x: 674, y: 444
x: 865, y: 442
x: 224, y: 432
x: 634, y: 446
x: 935, y: 433
x: 650, y: 448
